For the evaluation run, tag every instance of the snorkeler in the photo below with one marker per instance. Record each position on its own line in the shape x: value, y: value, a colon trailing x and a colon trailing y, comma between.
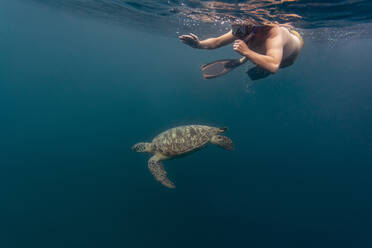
x: 269, y: 47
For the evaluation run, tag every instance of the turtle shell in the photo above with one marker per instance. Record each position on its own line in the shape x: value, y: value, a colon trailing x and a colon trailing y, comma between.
x: 183, y: 139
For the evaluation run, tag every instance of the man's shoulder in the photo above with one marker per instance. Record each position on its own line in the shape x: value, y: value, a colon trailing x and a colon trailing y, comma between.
x: 278, y: 31
x: 275, y: 31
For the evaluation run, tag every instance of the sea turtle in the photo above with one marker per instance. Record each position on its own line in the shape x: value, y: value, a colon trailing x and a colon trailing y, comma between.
x: 180, y: 141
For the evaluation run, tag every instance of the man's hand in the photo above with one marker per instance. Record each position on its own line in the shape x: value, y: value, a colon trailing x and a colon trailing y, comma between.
x: 240, y: 47
x: 190, y: 40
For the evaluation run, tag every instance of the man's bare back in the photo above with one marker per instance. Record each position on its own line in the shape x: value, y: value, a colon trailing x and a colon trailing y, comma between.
x: 290, y: 42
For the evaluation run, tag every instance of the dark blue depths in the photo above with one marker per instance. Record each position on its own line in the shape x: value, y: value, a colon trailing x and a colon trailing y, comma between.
x: 76, y: 94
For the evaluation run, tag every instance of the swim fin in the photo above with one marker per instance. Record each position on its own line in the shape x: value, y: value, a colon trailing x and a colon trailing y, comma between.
x: 221, y: 67
x: 257, y: 73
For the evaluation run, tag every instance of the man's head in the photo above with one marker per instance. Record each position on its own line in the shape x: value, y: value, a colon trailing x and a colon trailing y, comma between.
x: 241, y: 29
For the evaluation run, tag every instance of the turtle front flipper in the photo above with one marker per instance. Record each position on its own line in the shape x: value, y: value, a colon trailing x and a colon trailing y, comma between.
x: 157, y: 170
x: 222, y: 141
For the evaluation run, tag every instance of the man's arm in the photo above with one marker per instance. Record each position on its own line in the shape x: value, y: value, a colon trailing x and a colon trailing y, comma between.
x: 211, y: 43
x: 274, y: 52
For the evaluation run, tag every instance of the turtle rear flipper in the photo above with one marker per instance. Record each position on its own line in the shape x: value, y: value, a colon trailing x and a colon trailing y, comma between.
x: 223, y: 141
x: 157, y: 170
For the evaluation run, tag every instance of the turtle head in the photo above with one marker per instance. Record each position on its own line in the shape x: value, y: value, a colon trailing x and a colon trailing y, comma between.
x: 142, y: 147
x: 223, y: 142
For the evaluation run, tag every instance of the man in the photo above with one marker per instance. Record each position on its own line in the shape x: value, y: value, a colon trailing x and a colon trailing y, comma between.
x: 269, y: 47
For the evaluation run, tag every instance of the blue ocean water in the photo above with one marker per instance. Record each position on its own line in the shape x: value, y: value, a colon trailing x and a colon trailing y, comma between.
x: 77, y: 92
